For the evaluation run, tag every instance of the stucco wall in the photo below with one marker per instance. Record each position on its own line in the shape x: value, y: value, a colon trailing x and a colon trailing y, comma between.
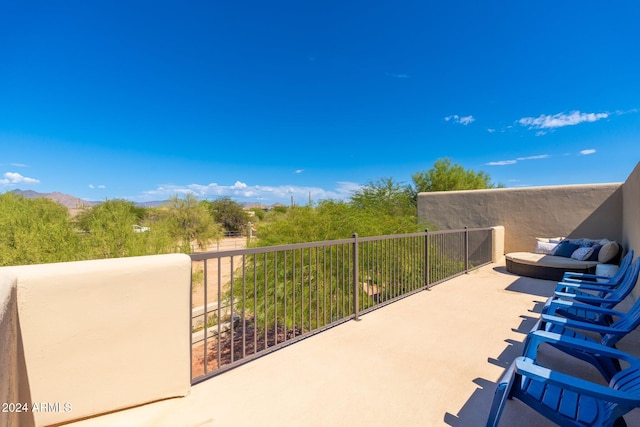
x: 98, y: 336
x: 497, y: 234
x: 631, y: 214
x: 591, y: 211
x: 631, y: 210
x: 8, y: 349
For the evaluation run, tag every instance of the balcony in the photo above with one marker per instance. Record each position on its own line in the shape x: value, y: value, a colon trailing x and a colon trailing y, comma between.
x: 429, y: 359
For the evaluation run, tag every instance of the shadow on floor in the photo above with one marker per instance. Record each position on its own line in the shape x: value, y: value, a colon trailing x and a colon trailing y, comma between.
x: 476, y: 409
x: 529, y: 285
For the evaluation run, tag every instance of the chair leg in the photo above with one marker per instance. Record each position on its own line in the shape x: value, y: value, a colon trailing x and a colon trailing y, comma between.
x: 502, y: 394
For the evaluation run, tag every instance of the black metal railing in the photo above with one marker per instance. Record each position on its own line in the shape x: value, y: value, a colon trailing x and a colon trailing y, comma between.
x: 248, y: 302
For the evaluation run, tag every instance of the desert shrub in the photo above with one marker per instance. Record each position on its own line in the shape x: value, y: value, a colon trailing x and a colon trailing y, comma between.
x: 36, y: 231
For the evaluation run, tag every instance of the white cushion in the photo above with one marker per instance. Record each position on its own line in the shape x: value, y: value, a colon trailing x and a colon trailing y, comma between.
x: 550, y: 239
x: 608, y: 252
x: 545, y: 247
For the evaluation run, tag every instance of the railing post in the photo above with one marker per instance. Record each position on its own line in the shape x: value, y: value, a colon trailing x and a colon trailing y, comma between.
x: 356, y: 299
x: 426, y: 258
x: 466, y: 250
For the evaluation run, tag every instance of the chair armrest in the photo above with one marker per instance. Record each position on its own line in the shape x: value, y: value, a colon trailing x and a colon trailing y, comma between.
x: 581, y: 296
x: 560, y: 303
x: 600, y: 287
x: 563, y: 295
x: 526, y: 367
x: 536, y: 338
x: 589, y: 299
x: 580, y: 277
x: 593, y: 327
x: 573, y: 287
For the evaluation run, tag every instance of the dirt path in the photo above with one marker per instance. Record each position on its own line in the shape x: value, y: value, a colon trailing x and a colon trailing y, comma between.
x: 226, y: 244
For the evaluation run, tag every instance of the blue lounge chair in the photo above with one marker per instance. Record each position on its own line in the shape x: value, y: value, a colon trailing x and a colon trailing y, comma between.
x: 592, y: 294
x: 614, y: 280
x: 609, y: 334
x: 564, y: 399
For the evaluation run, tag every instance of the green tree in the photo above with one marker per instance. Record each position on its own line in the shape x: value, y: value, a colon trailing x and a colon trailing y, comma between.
x: 228, y: 213
x: 35, y: 231
x: 258, y: 213
x: 298, y: 224
x: 108, y: 230
x: 444, y: 176
x: 188, y: 222
x: 331, y: 220
x: 386, y: 197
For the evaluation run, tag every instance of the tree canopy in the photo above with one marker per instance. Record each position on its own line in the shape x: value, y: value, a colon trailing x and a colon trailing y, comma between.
x: 108, y: 229
x: 189, y: 223
x: 385, y: 196
x: 228, y: 213
x: 380, y: 207
x: 334, y: 219
x: 444, y: 176
x: 35, y: 231
x: 40, y: 230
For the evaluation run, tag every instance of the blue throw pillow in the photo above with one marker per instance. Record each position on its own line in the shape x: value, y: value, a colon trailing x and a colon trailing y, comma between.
x: 596, y: 251
x: 565, y: 249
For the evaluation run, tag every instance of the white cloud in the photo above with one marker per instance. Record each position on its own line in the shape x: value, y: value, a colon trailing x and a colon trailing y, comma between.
x: 587, y: 152
x: 541, y: 156
x: 101, y: 187
x: 13, y: 178
x: 254, y: 193
x: 299, y: 171
x: 346, y: 187
x: 560, y: 120
x: 502, y: 163
x: 514, y: 161
x: 464, y: 120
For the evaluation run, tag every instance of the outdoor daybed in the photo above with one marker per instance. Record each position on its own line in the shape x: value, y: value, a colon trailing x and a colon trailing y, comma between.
x: 553, y: 257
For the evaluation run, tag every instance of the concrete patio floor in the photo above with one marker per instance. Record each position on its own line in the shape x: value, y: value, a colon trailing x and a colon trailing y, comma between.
x: 431, y: 359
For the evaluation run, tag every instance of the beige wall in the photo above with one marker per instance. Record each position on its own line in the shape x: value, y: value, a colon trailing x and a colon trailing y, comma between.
x: 8, y: 349
x: 102, y: 335
x: 631, y: 210
x: 631, y: 214
x: 591, y: 211
x: 497, y: 235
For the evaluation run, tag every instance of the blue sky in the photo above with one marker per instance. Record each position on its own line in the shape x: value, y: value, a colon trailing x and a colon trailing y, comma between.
x: 263, y: 101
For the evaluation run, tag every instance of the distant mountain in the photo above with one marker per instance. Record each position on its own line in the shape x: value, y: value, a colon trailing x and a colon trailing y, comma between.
x: 67, y: 200
x: 75, y: 204
x: 153, y: 204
